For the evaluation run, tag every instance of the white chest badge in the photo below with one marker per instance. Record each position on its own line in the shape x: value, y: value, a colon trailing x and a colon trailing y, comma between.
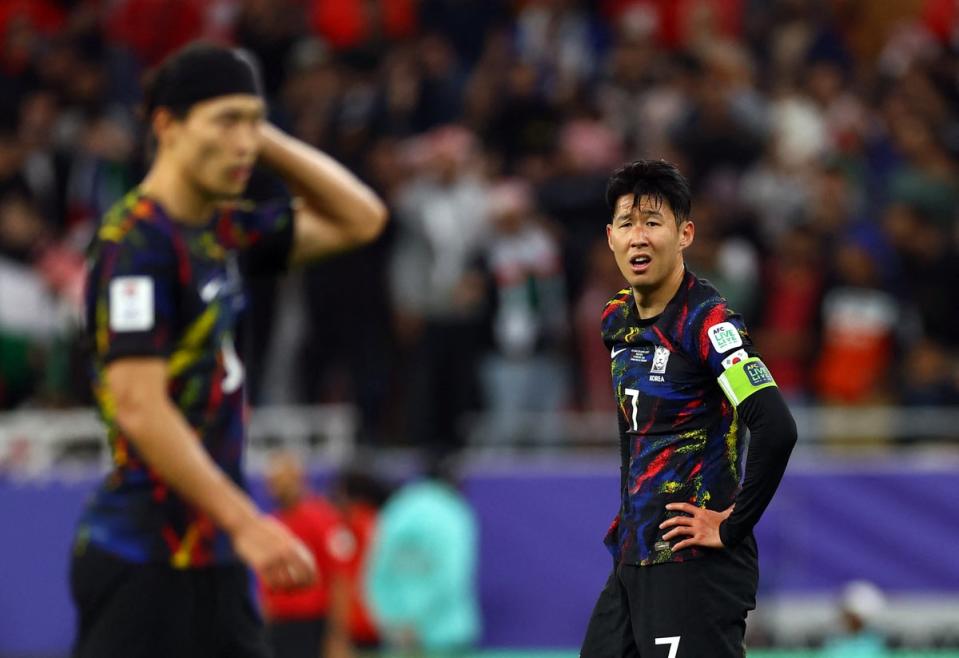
x: 131, y: 303
x: 724, y: 337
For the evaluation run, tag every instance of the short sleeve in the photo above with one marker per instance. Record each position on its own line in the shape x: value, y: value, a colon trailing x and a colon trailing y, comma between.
x: 263, y: 236
x: 135, y: 280
x: 725, y: 348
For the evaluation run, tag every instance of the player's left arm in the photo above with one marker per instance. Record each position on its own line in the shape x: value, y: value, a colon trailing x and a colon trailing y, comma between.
x: 772, y: 435
x: 334, y: 210
x: 749, y: 386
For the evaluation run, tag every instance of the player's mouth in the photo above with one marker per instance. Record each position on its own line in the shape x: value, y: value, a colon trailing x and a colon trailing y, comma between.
x: 240, y: 174
x: 639, y: 264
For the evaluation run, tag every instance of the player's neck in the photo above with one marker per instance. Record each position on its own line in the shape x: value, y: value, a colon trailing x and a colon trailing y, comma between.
x: 651, y: 302
x: 180, y: 198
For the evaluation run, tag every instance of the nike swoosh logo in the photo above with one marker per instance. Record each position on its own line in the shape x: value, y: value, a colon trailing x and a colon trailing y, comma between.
x: 210, y: 290
x: 614, y: 353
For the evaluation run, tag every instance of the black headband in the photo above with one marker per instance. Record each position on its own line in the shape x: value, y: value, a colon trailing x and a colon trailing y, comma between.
x: 200, y: 72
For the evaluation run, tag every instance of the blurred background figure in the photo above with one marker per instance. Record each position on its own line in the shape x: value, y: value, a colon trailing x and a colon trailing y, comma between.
x: 421, y: 576
x: 860, y: 323
x: 526, y: 370
x: 359, y: 495
x: 438, y: 292
x: 860, y: 604
x: 301, y: 623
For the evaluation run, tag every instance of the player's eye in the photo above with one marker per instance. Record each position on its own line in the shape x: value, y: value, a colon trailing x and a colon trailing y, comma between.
x: 228, y: 120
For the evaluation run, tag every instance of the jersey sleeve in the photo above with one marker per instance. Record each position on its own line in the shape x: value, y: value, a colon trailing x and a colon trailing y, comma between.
x: 135, y: 283
x: 264, y: 236
x: 726, y: 350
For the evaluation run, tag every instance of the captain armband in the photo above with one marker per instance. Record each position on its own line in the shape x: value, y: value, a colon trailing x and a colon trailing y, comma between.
x: 744, y: 378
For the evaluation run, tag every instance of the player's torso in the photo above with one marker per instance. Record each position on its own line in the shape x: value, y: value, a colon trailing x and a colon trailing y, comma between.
x: 660, y: 390
x: 134, y: 514
x: 206, y: 375
x: 681, y: 438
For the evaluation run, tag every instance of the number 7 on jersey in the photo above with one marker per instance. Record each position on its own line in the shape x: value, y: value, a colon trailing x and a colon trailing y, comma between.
x: 634, y: 395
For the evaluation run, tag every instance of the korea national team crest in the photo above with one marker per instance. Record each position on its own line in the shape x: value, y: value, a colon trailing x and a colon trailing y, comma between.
x: 660, y: 359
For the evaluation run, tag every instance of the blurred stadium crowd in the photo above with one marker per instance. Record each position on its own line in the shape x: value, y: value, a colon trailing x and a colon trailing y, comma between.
x: 821, y: 138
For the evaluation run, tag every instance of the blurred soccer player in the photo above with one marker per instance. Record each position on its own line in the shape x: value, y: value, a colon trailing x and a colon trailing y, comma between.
x: 156, y: 568
x: 688, y: 382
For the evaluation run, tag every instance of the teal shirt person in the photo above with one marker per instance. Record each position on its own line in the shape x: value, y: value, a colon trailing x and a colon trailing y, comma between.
x: 420, y: 578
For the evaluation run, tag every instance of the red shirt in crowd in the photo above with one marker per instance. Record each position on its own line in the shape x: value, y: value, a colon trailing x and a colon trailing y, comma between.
x: 361, y: 521
x: 317, y: 523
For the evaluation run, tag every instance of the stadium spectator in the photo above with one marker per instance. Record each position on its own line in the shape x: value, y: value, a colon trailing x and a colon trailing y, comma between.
x: 438, y: 292
x: 421, y: 573
x: 860, y: 326
x: 526, y: 370
x: 789, y: 323
x: 858, y: 637
x: 306, y: 622
x: 359, y: 496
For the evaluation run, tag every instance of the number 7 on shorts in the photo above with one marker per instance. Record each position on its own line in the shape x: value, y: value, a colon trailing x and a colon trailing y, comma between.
x: 673, y: 643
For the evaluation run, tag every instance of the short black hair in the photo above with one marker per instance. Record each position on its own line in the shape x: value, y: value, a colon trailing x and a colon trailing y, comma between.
x: 196, y: 72
x: 659, y: 180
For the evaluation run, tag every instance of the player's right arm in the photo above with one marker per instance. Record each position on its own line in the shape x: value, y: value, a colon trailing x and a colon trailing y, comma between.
x: 334, y: 211
x: 162, y: 436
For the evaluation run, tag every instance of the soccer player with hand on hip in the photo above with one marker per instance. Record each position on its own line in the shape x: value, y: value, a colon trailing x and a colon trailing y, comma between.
x: 688, y: 382
x: 158, y: 564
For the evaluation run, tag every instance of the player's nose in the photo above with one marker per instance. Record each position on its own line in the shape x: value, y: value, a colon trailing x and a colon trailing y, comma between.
x: 638, y: 237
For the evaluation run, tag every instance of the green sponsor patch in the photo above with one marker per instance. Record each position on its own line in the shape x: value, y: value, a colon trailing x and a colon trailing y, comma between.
x: 741, y: 380
x: 758, y: 373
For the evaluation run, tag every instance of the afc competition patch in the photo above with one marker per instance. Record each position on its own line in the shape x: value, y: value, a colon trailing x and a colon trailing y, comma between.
x: 639, y: 354
x: 742, y: 379
x: 131, y: 303
x: 724, y: 337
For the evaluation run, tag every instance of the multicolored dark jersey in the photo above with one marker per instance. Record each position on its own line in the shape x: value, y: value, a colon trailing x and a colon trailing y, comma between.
x: 677, y: 379
x: 160, y: 288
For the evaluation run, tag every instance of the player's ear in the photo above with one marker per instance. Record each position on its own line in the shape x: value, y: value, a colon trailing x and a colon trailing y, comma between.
x: 609, y: 236
x: 163, y: 123
x: 687, y: 232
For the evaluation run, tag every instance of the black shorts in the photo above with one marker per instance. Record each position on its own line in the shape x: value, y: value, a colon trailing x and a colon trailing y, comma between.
x: 694, y: 609
x: 127, y: 610
x: 297, y: 638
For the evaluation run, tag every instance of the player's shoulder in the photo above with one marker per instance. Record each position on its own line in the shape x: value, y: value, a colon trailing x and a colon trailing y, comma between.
x: 703, y: 293
x: 241, y: 223
x: 615, y: 321
x: 708, y: 317
x: 619, y: 302
x: 705, y: 304
x: 134, y: 219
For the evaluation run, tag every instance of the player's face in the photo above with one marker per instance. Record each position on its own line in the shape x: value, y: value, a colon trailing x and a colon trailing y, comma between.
x: 646, y: 242
x: 217, y: 143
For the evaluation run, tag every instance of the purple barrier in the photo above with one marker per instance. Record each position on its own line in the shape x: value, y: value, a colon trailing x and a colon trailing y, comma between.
x: 38, y: 519
x: 542, y: 561
x: 890, y: 523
